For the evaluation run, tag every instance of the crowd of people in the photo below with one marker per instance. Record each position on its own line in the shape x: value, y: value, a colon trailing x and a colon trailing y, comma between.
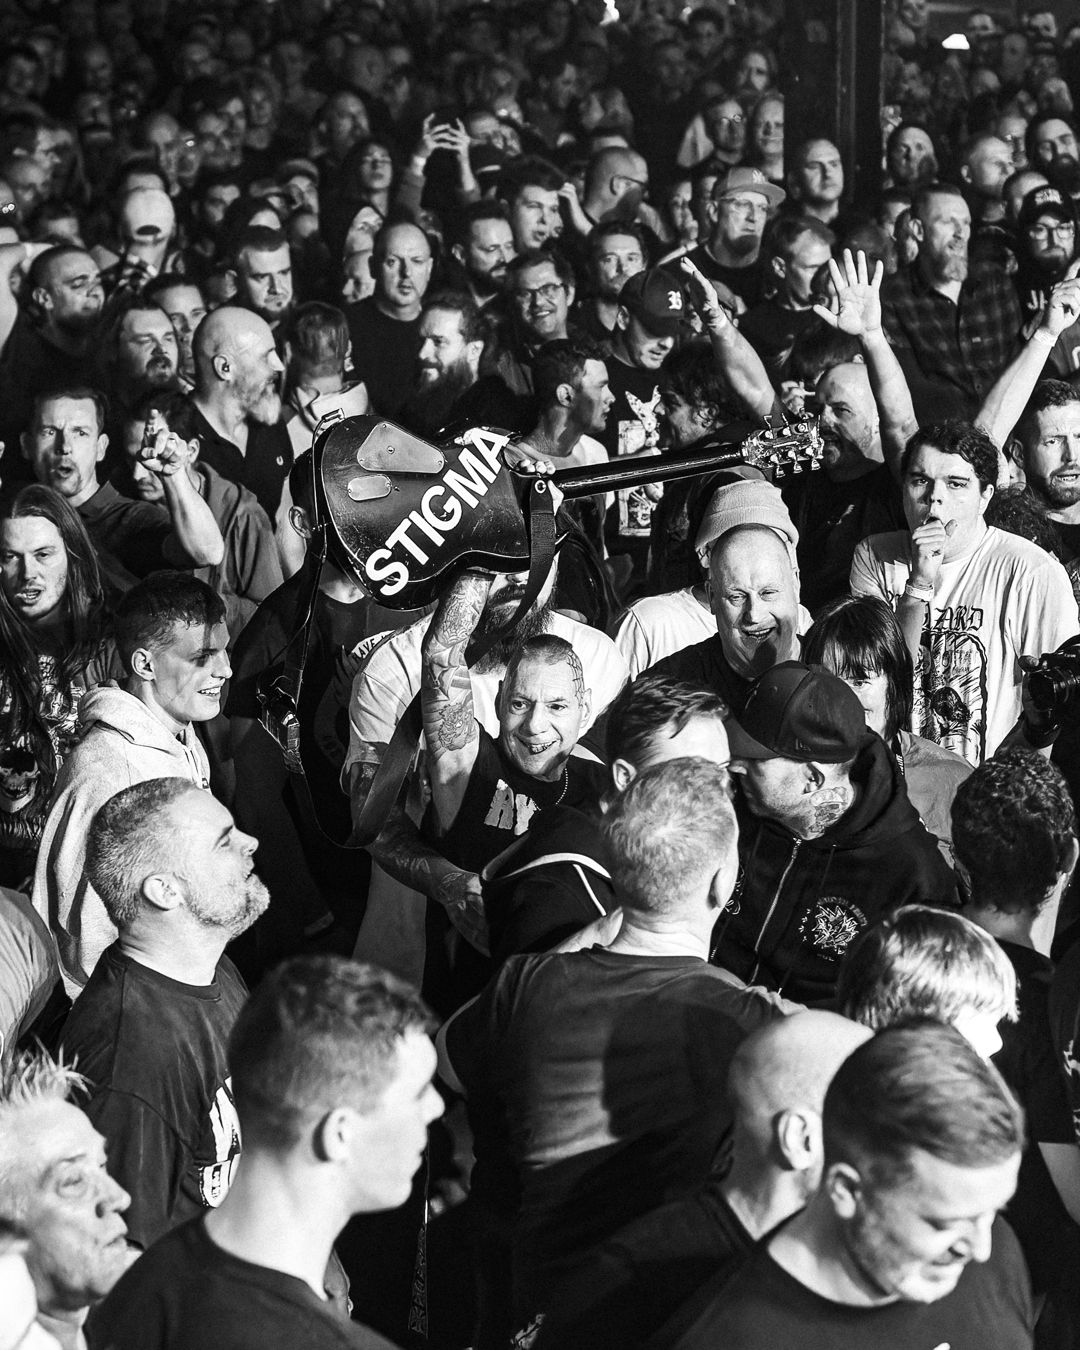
x: 702, y: 969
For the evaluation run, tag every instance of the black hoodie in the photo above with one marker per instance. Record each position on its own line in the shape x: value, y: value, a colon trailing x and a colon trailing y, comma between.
x: 800, y: 902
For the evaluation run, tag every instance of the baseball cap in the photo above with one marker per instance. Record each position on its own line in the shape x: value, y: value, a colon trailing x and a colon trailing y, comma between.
x: 747, y: 180
x: 1045, y: 200
x: 799, y: 712
x: 655, y: 298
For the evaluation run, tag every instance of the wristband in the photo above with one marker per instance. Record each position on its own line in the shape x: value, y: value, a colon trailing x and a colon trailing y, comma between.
x: 916, y: 592
x: 1044, y: 339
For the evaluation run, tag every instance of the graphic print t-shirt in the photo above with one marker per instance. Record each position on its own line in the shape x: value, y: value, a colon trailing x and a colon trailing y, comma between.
x: 1002, y: 599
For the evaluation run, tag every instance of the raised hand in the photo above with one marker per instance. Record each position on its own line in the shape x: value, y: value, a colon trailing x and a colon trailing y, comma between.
x: 1063, y: 307
x: 858, y: 296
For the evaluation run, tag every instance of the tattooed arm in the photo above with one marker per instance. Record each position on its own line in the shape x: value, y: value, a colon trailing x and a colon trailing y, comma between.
x: 446, y: 697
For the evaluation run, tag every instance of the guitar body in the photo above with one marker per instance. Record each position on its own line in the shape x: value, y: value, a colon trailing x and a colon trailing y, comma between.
x: 404, y: 512
x: 401, y: 514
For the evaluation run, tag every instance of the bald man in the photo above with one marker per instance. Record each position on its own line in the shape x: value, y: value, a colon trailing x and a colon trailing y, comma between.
x: 653, y: 1268
x: 385, y: 328
x: 236, y: 403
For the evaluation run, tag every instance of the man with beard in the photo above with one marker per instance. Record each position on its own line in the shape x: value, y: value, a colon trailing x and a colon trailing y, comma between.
x: 1045, y: 250
x: 52, y: 343
x: 1053, y: 150
x: 185, y: 304
x: 150, y: 1028
x: 953, y: 332
x: 902, y: 1243
x: 539, y: 293
x: 452, y: 335
x: 731, y: 255
x: 64, y: 444
x: 617, y: 251
x: 484, y: 248
x: 264, y: 279
x: 986, y: 166
x: 237, y: 402
x: 385, y: 328
x: 796, y: 249
x: 410, y: 871
x: 140, y: 358
x: 1048, y: 435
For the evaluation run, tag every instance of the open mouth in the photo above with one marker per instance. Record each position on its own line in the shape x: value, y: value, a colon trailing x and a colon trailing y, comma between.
x: 28, y: 597
x: 535, y: 748
x: 214, y: 693
x: 758, y: 635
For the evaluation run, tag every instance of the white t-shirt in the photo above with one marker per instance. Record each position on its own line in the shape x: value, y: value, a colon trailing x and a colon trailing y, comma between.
x: 1002, y: 599
x: 659, y: 625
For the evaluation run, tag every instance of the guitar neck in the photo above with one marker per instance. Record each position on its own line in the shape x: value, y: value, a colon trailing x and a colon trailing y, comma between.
x: 630, y: 473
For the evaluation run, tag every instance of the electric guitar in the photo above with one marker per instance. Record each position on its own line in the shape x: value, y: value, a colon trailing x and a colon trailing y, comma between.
x: 403, y: 513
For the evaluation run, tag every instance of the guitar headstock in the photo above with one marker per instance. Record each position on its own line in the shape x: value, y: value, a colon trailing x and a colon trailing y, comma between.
x: 795, y: 447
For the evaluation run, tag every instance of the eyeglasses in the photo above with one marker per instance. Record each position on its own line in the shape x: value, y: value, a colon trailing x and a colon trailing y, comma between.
x: 372, y: 160
x: 1042, y: 233
x: 548, y: 293
x: 735, y: 121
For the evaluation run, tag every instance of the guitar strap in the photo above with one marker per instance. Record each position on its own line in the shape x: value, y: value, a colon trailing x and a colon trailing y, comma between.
x: 395, y: 762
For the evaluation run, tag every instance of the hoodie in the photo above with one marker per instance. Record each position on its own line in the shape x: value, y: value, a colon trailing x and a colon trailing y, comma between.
x: 799, y: 903
x: 546, y: 885
x: 122, y: 743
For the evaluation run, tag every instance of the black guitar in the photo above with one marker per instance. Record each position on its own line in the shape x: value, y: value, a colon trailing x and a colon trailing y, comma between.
x: 402, y: 513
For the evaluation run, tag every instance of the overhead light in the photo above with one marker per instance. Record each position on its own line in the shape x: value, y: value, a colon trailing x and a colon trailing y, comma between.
x: 956, y: 42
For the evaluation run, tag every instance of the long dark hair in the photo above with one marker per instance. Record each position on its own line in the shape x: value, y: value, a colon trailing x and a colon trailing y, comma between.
x: 858, y: 636
x: 84, y: 605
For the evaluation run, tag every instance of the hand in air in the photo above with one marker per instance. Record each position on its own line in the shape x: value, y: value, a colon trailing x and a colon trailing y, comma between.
x: 856, y: 308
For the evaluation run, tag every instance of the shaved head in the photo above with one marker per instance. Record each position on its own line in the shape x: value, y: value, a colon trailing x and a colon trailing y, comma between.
x: 225, y: 331
x: 787, y: 1066
x: 235, y: 355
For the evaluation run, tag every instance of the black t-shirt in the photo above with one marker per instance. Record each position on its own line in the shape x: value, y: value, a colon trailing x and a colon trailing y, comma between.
x: 129, y: 536
x: 154, y: 1051
x: 261, y: 467
x: 772, y: 330
x: 187, y: 1293
x: 705, y: 667
x: 832, y: 519
x: 627, y: 1288
x: 501, y: 799
x: 762, y: 1307
x: 632, y: 426
x: 384, y: 353
x: 747, y: 282
x: 1028, y: 1063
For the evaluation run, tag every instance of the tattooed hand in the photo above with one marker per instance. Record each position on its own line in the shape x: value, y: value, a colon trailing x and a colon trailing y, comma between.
x: 459, y: 894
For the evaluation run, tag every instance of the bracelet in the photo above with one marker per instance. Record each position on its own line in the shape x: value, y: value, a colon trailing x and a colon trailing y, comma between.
x: 1044, y: 339
x: 923, y: 593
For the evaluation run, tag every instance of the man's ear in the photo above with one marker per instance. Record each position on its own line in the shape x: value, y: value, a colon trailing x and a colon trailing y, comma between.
x: 24, y: 444
x: 221, y: 367
x: 194, y: 448
x: 103, y: 445
x: 779, y: 266
x: 299, y: 521
x: 843, y: 1185
x: 916, y: 227
x: 622, y: 318
x: 965, y: 172
x: 41, y: 297
x: 814, y: 777
x: 142, y: 663
x: 331, y: 1137
x: 623, y: 774
x: 162, y: 890
x: 798, y: 1136
x: 564, y: 394
x: 475, y: 350
x: 457, y: 252
x: 570, y: 294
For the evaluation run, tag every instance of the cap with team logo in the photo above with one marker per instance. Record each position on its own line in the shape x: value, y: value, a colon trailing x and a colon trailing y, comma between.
x: 1045, y: 201
x: 655, y: 298
x: 736, y: 181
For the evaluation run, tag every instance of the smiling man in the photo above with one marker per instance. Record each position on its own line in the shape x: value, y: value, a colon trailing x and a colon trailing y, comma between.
x: 486, y: 790
x: 971, y: 599
x: 902, y: 1243
x: 150, y: 1029
x: 171, y: 637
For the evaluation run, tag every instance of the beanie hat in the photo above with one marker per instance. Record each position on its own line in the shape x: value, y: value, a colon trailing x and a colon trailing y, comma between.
x: 750, y: 501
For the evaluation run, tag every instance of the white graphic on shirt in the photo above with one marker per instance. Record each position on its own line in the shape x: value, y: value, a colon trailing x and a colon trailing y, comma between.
x: 215, y: 1178
x: 642, y: 432
x: 950, y: 685
x: 510, y: 810
x: 832, y: 924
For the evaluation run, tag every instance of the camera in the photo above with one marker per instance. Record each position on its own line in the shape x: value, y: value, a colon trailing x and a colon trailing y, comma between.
x: 278, y: 718
x: 1054, y: 684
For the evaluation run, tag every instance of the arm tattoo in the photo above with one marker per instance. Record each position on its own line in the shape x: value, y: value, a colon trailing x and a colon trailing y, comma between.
x: 446, y: 687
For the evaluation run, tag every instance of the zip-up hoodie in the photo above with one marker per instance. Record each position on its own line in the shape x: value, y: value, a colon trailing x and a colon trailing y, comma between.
x: 547, y: 884
x: 799, y: 903
x: 122, y: 743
